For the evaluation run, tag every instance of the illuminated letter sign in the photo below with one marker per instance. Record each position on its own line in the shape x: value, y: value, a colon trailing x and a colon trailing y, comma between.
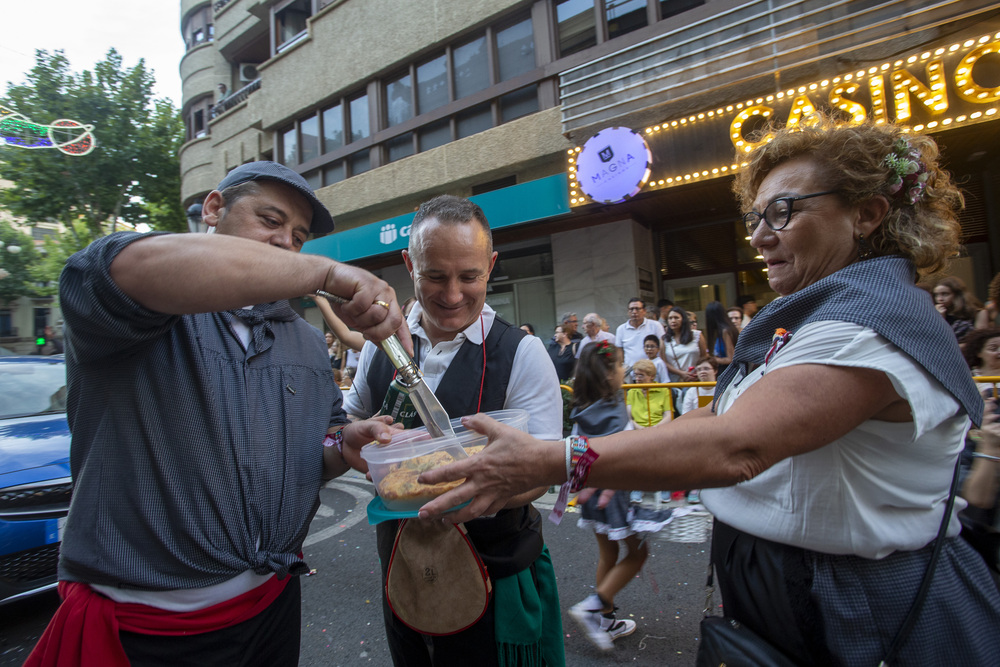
x: 612, y: 166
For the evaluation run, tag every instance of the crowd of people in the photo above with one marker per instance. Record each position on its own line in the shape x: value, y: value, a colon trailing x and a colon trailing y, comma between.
x: 825, y: 453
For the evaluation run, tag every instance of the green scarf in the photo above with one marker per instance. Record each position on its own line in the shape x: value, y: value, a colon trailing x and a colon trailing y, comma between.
x: 528, y: 623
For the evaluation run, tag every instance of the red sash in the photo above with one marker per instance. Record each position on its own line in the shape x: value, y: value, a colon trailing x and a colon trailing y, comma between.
x: 84, y: 630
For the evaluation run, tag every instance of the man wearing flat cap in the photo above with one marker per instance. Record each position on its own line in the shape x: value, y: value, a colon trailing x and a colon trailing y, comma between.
x: 203, y: 426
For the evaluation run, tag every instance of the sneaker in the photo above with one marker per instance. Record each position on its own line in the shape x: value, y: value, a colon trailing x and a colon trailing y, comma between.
x: 694, y: 497
x: 616, y: 628
x: 588, y: 616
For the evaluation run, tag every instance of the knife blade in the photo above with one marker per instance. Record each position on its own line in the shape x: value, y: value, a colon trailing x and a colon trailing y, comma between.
x: 427, y: 405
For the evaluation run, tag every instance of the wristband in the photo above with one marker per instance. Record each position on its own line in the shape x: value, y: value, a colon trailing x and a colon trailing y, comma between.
x: 579, y: 457
x: 336, y: 439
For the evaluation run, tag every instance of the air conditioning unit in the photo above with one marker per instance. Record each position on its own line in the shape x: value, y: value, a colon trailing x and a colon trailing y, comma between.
x: 248, y: 72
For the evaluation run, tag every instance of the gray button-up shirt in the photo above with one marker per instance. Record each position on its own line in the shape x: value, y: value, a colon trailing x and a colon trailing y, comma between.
x: 193, y: 459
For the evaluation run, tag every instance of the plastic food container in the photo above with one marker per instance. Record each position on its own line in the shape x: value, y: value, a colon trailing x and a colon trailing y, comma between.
x: 396, y: 465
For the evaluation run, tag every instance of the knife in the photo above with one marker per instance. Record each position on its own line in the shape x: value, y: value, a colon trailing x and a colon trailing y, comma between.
x: 427, y: 405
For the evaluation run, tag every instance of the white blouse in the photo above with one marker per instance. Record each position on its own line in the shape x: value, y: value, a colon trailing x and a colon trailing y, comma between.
x: 880, y: 488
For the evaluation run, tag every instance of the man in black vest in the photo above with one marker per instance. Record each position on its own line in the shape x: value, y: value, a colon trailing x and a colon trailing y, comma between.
x: 475, y: 362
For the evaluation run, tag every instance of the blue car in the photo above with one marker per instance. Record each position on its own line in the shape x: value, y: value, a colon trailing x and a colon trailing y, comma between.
x: 35, y: 483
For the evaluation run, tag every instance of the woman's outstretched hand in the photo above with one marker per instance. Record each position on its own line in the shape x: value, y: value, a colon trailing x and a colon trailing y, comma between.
x: 512, y: 463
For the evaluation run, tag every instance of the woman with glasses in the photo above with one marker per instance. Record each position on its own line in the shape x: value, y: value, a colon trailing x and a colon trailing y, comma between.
x: 828, y: 455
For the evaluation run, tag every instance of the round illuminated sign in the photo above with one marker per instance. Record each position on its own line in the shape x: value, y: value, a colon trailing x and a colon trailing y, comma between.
x: 613, y: 165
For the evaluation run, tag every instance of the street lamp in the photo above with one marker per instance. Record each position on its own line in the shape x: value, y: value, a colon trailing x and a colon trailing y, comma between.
x: 195, y: 224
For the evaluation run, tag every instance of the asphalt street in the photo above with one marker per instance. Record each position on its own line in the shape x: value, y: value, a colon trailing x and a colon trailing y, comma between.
x: 342, y: 614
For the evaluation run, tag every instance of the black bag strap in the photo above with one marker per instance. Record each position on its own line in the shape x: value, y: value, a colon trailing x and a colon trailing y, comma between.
x: 918, y: 602
x: 911, y: 617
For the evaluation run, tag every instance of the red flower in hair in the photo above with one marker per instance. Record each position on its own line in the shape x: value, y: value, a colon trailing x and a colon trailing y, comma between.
x: 603, y: 349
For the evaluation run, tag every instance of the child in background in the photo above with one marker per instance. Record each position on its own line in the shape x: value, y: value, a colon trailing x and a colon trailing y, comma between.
x: 598, y: 410
x: 648, y: 407
x: 651, y: 345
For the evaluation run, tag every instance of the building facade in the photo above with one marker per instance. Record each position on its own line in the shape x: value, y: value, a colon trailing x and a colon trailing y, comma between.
x: 598, y: 135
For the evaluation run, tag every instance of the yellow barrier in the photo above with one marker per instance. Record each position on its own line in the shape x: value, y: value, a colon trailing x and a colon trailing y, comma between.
x: 669, y: 414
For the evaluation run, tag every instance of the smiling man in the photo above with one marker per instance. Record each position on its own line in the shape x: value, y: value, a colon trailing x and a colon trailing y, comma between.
x: 199, y: 422
x: 475, y: 362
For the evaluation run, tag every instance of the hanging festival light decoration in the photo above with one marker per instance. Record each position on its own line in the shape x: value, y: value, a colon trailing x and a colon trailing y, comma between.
x: 66, y: 136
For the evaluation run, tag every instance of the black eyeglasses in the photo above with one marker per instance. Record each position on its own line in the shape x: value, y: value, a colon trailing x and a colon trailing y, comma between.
x: 778, y: 213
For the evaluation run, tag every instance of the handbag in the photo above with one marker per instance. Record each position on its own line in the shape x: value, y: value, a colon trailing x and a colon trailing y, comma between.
x: 436, y: 583
x: 725, y: 642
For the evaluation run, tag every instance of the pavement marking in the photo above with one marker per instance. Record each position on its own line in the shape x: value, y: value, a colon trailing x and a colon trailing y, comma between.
x: 360, y: 512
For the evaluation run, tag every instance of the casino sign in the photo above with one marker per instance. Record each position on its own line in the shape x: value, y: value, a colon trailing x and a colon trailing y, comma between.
x: 932, y: 90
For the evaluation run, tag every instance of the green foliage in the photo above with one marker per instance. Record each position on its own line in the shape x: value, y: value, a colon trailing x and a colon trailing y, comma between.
x: 55, y: 252
x: 133, y: 174
x: 17, y: 255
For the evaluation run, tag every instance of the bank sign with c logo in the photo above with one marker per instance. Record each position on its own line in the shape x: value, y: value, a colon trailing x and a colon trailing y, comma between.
x: 613, y: 165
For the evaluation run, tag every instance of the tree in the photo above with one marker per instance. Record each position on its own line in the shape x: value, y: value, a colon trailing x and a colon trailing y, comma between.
x: 17, y: 255
x: 55, y: 252
x: 133, y: 174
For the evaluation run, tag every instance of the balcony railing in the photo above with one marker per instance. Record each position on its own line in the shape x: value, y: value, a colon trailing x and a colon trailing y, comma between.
x: 219, y: 4
x: 235, y: 98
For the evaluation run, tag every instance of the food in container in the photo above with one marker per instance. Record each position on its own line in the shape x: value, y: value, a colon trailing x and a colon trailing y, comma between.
x: 395, y: 467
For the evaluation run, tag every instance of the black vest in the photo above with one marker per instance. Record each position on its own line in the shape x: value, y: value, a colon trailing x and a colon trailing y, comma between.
x: 512, y: 540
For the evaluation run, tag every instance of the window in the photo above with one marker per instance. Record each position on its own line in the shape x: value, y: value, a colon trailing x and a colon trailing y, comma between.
x: 290, y: 22
x: 435, y: 134
x: 475, y: 120
x: 670, y: 8
x: 624, y: 16
x: 289, y: 147
x: 196, y: 118
x: 334, y: 173
x: 399, y: 100
x: 360, y: 162
x: 400, y: 147
x: 516, y: 50
x: 333, y: 128
x: 6, y: 324
x: 314, y: 179
x: 471, y: 65
x: 309, y: 129
x: 360, y: 123
x: 199, y: 123
x: 576, y: 25
x: 198, y: 28
x: 519, y: 103
x: 432, y: 84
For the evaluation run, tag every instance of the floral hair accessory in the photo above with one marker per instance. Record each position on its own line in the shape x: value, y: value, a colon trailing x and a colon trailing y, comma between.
x: 603, y: 349
x: 909, y: 175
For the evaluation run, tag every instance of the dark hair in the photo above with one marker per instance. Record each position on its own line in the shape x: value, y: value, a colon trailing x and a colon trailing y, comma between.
x: 449, y: 210
x: 531, y: 329
x: 745, y: 299
x: 635, y: 298
x: 591, y: 382
x: 973, y: 344
x: 716, y: 324
x: 686, y: 334
x: 736, y: 308
x: 664, y: 302
x: 651, y: 337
